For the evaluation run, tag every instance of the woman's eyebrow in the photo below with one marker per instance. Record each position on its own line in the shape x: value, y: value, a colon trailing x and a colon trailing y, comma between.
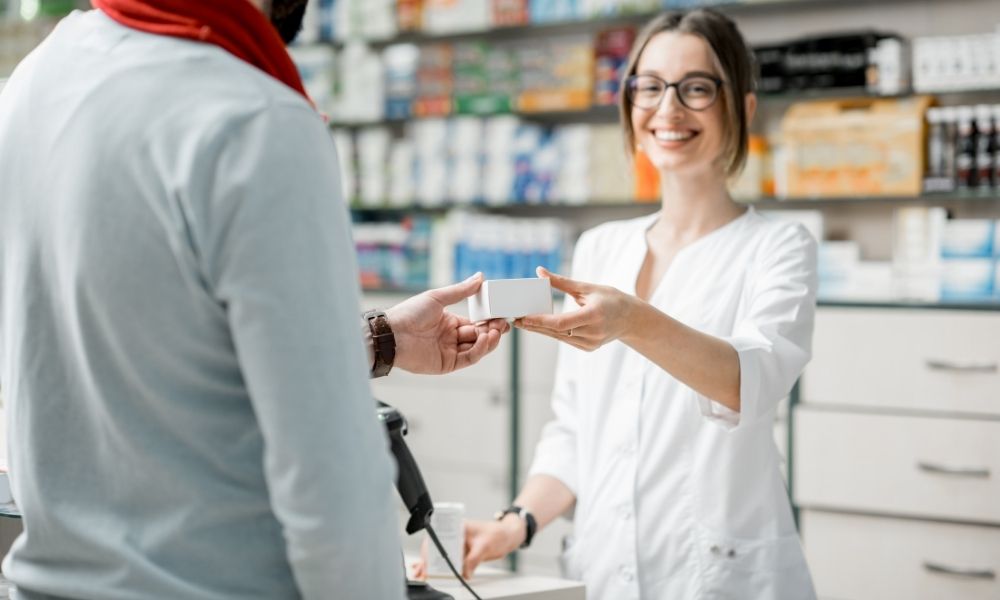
x: 708, y: 74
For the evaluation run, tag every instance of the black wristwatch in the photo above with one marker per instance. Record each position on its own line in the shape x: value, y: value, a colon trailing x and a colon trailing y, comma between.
x: 529, y: 521
x: 383, y: 342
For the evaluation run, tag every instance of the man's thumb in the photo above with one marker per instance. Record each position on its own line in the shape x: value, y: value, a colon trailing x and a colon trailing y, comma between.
x: 456, y: 292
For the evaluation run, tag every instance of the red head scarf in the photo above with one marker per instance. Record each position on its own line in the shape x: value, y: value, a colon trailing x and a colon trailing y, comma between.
x: 237, y: 26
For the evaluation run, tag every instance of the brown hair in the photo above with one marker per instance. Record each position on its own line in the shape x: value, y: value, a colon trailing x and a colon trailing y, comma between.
x: 735, y: 62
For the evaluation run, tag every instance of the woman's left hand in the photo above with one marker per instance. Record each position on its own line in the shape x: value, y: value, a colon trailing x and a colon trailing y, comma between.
x: 604, y: 315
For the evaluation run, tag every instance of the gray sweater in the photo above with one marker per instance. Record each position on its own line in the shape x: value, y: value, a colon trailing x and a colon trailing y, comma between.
x: 188, y: 402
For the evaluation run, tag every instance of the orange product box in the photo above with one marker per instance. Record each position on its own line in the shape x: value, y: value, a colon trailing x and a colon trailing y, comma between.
x: 647, y: 179
x: 553, y: 100
x: 854, y: 147
x: 409, y: 14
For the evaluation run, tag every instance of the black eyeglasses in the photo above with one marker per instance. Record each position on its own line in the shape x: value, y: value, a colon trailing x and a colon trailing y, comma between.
x: 696, y: 92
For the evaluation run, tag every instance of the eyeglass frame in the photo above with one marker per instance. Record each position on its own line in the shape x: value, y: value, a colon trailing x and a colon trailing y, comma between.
x: 676, y: 84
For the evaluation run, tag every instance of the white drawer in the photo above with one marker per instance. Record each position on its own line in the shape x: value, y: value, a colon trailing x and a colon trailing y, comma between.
x: 871, y: 558
x: 483, y: 492
x: 916, y: 466
x: 459, y: 426
x: 943, y: 360
x: 539, y: 354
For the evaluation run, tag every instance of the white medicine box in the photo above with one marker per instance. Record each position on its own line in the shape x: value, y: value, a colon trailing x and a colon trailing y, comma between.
x: 510, y: 299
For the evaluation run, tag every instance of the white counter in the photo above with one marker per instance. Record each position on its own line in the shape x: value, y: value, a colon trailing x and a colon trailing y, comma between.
x: 501, y: 585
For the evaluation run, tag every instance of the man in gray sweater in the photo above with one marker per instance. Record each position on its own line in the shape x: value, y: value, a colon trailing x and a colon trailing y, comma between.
x: 188, y: 399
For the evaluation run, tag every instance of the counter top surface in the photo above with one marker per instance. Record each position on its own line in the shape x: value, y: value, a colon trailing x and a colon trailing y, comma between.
x: 502, y: 585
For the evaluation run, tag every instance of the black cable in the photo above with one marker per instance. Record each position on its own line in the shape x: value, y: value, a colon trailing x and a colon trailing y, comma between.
x: 437, y: 544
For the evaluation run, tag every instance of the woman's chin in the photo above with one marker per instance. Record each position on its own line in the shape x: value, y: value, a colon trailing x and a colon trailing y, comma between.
x: 676, y: 164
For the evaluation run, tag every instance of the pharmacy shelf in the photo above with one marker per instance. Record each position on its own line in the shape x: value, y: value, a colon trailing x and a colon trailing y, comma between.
x: 984, y: 305
x: 956, y: 198
x: 732, y: 7
x: 594, y: 114
x: 981, y: 305
x: 560, y: 209
x: 607, y: 114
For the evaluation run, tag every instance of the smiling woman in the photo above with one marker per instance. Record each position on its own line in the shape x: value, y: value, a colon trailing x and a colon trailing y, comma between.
x: 681, y: 333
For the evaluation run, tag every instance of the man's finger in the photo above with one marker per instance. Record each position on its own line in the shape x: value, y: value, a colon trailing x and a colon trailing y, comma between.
x: 469, y: 333
x: 500, y: 325
x: 473, y: 354
x: 456, y: 292
x: 563, y: 284
x: 492, y: 340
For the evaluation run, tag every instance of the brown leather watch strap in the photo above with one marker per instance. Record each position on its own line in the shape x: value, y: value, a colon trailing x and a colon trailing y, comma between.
x: 383, y: 342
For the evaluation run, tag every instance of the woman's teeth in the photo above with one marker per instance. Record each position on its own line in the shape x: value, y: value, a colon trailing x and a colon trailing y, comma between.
x: 673, y: 136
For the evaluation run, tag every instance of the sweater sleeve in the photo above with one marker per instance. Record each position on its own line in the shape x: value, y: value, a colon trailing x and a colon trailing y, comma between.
x: 276, y: 251
x: 773, y: 337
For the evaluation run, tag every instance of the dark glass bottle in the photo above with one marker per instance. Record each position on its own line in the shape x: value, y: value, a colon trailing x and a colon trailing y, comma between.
x: 965, y: 150
x: 985, y: 147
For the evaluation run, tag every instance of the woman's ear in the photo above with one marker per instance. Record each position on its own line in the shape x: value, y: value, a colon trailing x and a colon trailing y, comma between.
x: 751, y: 107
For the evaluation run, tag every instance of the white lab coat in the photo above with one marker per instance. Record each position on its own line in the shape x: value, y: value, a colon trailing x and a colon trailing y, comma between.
x: 678, y: 496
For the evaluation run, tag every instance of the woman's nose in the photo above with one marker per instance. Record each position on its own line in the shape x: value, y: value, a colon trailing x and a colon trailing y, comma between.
x: 670, y: 103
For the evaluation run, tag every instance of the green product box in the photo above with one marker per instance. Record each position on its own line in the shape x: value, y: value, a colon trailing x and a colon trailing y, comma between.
x: 483, y: 104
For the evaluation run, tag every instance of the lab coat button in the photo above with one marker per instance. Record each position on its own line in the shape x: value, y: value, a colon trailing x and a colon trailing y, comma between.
x: 731, y: 553
x: 626, y: 513
x: 627, y: 573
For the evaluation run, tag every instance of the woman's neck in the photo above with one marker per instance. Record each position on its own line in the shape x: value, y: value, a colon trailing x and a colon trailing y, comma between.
x: 695, y: 203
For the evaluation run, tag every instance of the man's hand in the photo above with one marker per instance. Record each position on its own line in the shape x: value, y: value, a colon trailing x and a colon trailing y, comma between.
x: 430, y: 340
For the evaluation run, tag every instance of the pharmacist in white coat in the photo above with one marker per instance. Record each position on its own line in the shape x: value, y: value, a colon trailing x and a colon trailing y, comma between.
x: 683, y: 331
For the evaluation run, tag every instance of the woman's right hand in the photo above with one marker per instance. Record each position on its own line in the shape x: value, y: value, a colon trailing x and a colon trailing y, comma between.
x: 491, y: 540
x: 484, y: 541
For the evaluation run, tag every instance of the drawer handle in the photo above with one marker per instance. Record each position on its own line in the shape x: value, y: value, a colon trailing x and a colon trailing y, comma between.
x: 959, y: 367
x: 956, y: 572
x: 980, y: 473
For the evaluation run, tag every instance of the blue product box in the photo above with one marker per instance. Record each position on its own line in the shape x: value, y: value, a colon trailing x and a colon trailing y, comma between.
x: 398, y: 109
x: 548, y: 11
x: 996, y: 279
x: 996, y: 239
x: 968, y: 238
x: 967, y: 278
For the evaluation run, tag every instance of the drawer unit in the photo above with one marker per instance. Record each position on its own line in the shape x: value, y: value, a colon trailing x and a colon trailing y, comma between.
x: 453, y: 425
x: 539, y: 354
x: 935, y: 360
x: 872, y: 558
x: 483, y: 491
x: 916, y: 466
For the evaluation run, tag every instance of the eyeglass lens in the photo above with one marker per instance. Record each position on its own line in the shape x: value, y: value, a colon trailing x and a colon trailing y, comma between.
x: 696, y: 93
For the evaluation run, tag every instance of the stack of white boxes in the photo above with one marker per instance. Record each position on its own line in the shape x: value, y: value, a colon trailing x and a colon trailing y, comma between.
x: 959, y: 62
x: 896, y: 453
